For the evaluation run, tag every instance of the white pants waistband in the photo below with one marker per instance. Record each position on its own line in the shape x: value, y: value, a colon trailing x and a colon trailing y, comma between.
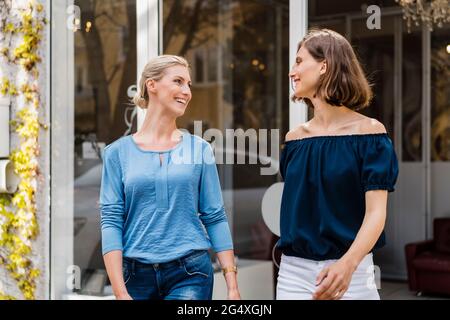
x: 297, y: 279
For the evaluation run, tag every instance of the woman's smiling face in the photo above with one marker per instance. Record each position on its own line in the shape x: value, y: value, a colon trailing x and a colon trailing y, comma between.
x: 305, y: 74
x: 173, y: 91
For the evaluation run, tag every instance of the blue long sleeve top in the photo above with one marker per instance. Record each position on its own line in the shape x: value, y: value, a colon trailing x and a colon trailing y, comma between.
x: 159, y: 209
x: 323, y: 202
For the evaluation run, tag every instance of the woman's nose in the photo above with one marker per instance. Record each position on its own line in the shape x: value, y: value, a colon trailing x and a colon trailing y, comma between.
x: 186, y: 89
x: 187, y: 92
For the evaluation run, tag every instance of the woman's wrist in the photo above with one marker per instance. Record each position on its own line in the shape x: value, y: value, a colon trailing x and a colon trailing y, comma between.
x: 231, y: 281
x: 351, y: 260
x: 228, y: 269
x: 121, y: 294
x: 120, y: 291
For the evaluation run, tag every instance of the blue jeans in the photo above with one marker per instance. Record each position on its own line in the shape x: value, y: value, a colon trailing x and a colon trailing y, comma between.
x: 188, y: 278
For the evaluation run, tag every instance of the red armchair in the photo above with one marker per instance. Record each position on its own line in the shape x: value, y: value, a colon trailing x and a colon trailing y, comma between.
x: 428, y: 262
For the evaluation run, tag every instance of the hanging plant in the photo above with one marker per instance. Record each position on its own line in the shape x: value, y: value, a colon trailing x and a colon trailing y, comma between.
x: 18, y: 221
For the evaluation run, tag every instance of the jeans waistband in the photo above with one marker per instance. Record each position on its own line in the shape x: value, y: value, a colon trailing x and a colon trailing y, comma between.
x: 164, y: 265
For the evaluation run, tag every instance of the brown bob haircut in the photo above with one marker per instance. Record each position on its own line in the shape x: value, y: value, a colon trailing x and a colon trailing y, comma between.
x: 344, y: 83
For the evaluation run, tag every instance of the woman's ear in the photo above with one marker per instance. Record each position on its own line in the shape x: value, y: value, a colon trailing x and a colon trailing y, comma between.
x: 150, y: 84
x: 323, y: 68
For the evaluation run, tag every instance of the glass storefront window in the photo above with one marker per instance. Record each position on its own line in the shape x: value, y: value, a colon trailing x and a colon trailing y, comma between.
x: 238, y: 52
x: 440, y: 94
x: 105, y: 64
x: 412, y: 69
x: 375, y: 49
x: 332, y: 8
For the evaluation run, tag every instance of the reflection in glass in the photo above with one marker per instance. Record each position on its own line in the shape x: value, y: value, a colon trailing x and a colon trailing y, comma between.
x: 440, y: 94
x: 105, y: 64
x: 238, y: 52
x: 342, y: 7
x: 412, y: 96
x: 375, y: 49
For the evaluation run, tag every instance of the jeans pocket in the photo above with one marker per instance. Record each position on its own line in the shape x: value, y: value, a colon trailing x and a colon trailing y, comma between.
x: 199, y: 265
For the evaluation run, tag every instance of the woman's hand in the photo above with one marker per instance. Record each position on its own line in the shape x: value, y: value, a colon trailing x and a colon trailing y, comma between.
x: 233, y: 294
x: 113, y: 262
x: 334, y: 280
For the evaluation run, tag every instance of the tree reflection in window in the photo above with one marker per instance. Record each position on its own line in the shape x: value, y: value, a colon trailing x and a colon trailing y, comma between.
x: 440, y: 95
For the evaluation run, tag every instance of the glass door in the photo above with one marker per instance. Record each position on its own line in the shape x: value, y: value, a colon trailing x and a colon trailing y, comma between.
x: 240, y: 53
x: 393, y: 60
x: 105, y: 68
x: 439, y: 139
x: 94, y: 62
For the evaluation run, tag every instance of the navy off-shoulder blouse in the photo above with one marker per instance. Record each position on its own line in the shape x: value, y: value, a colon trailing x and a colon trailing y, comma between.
x: 326, y: 178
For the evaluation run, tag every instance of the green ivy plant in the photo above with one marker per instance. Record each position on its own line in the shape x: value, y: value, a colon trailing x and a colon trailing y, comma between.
x: 18, y: 221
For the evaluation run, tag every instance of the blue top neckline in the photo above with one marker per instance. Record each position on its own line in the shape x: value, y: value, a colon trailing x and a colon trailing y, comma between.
x: 156, y: 151
x: 322, y: 137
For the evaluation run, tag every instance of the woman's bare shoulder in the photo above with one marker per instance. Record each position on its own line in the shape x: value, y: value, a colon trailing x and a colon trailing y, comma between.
x: 370, y: 126
x: 298, y: 133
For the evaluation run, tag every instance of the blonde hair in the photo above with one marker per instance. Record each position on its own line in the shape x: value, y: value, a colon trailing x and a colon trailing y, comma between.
x: 154, y: 69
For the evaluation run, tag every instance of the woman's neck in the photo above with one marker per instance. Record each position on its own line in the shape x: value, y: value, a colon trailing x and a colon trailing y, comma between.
x: 329, y: 117
x: 158, y: 126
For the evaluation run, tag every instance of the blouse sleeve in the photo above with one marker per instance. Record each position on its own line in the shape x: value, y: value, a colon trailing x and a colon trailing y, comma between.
x: 211, y: 206
x: 379, y: 164
x: 112, y: 202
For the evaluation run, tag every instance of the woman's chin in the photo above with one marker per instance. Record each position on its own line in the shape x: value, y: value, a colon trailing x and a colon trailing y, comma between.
x: 302, y: 95
x: 179, y: 112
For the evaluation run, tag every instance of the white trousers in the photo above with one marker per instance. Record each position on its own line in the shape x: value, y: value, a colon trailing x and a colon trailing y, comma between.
x: 297, y: 279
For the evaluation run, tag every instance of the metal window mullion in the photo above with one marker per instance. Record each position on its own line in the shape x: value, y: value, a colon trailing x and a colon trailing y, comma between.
x: 398, y: 86
x: 426, y: 122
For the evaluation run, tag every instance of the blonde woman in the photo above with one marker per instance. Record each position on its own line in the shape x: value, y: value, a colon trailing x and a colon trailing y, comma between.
x: 338, y: 169
x: 155, y: 208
